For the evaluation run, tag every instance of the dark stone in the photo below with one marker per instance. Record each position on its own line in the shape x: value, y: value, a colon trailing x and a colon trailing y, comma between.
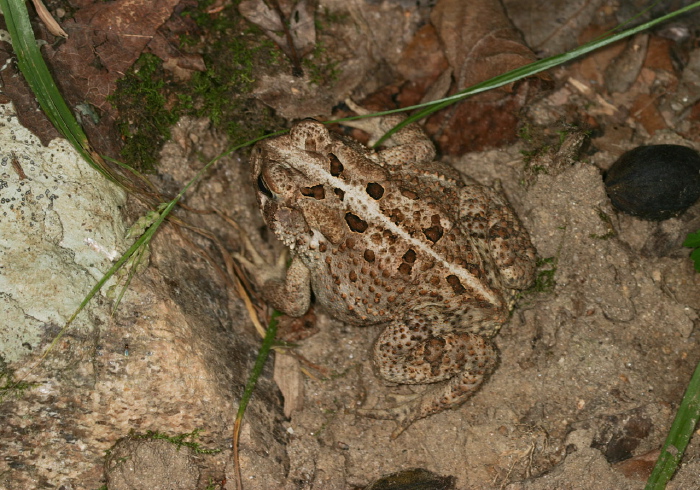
x: 655, y: 182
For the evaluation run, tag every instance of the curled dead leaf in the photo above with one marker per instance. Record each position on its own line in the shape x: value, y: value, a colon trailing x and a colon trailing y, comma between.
x: 48, y: 20
x: 479, y: 41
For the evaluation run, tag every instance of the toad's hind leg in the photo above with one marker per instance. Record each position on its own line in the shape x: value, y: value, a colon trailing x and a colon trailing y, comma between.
x: 412, y: 356
x: 492, y: 222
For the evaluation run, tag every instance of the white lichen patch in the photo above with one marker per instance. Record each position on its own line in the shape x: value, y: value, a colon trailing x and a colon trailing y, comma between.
x: 60, y: 229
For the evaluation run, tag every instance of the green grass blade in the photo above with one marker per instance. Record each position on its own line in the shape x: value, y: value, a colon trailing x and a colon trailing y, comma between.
x: 260, y: 361
x: 37, y: 74
x: 264, y: 351
x: 142, y: 241
x: 679, y: 435
x: 133, y: 268
x: 523, y: 72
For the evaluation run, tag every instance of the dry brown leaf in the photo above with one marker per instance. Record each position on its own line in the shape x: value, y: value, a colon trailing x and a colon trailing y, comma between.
x: 478, y: 40
x: 423, y: 57
x: 479, y: 43
x: 645, y: 111
x: 621, y: 73
x: 291, y: 28
x: 424, y: 66
x: 638, y: 467
x: 165, y: 46
x: 51, y: 24
x: 105, y: 40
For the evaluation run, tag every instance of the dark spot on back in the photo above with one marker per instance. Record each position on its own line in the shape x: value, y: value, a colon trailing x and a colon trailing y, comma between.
x: 409, y: 256
x: 340, y: 193
x: 336, y: 166
x: 455, y: 284
x: 434, y: 233
x: 369, y: 255
x: 355, y: 223
x: 405, y: 268
x: 317, y: 192
x: 375, y: 191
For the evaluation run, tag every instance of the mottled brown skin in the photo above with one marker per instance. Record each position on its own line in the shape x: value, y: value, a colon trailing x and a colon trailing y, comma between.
x: 397, y: 239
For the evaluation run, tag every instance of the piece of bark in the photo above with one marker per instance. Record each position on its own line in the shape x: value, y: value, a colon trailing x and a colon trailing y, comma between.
x: 292, y: 29
x: 290, y: 381
x: 28, y: 110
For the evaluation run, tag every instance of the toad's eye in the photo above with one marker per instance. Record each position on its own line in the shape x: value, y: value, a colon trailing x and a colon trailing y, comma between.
x: 262, y: 186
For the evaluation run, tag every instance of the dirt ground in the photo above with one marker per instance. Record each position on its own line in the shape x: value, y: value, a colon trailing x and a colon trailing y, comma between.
x: 593, y: 361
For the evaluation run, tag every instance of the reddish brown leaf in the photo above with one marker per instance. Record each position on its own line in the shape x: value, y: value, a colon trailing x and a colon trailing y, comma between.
x: 645, y: 111
x: 104, y: 41
x: 478, y: 40
x: 638, y: 467
x: 423, y: 56
x: 16, y: 88
x: 659, y: 54
x: 479, y: 43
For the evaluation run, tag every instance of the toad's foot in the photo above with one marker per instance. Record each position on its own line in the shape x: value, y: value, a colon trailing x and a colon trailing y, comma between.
x: 414, y: 407
x: 259, y: 269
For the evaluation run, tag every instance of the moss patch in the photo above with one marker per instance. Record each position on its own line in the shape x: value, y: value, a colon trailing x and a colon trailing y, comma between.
x: 10, y: 386
x: 145, y: 118
x: 179, y: 440
x: 150, y: 100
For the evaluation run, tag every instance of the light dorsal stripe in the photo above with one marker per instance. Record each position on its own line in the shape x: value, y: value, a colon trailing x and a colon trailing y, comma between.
x: 357, y: 198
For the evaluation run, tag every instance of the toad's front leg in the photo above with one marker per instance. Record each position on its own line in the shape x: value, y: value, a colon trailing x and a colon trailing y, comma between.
x: 414, y: 355
x: 287, y: 289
